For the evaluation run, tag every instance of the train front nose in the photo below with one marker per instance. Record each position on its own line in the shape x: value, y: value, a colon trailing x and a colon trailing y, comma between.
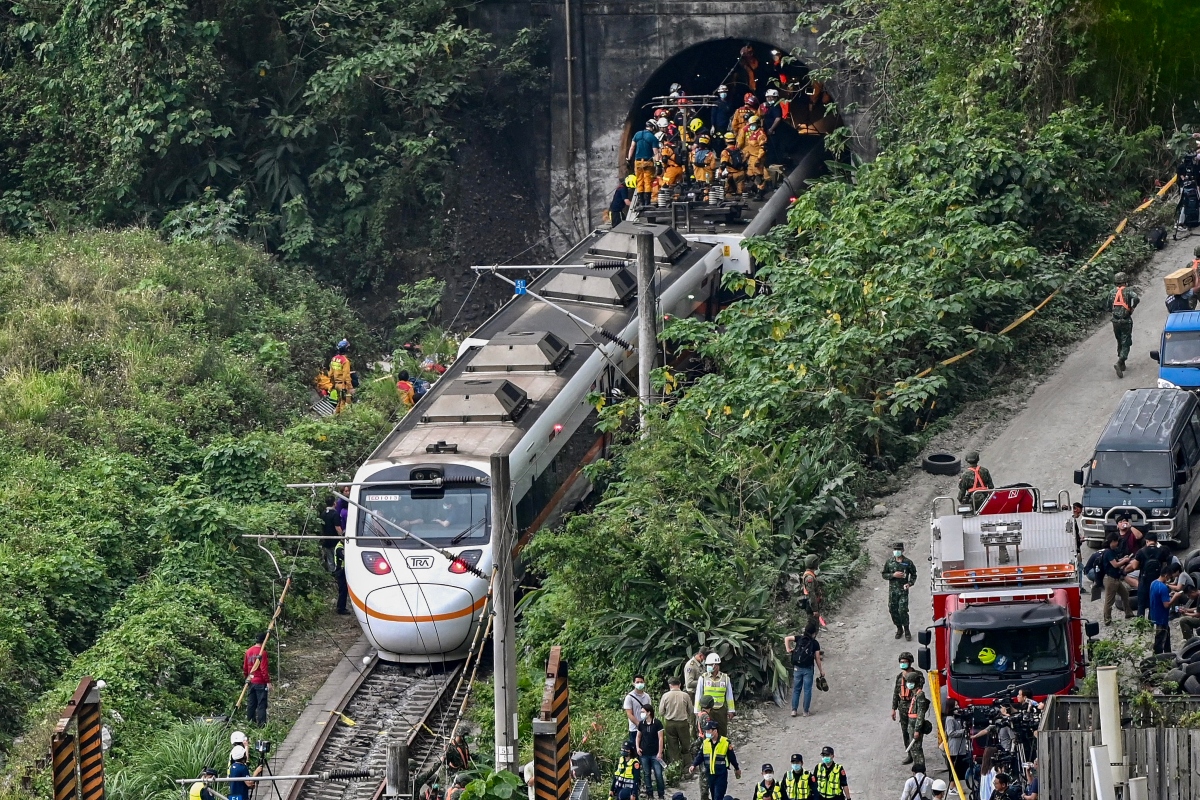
x: 422, y: 620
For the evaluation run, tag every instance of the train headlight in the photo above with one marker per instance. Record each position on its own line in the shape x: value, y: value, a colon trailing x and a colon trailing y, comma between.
x: 375, y: 562
x: 466, y: 561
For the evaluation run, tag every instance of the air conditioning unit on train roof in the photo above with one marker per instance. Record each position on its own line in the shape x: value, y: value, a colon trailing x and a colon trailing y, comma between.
x: 477, y: 400
x: 611, y: 287
x: 521, y: 351
x: 621, y: 242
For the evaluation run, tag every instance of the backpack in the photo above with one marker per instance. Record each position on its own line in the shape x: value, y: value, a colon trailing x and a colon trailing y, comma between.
x: 737, y: 159
x: 700, y: 159
x: 420, y: 387
x: 1092, y: 568
x: 805, y: 654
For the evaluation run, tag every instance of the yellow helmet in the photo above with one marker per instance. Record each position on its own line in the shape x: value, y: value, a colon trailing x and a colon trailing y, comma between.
x: 630, y: 181
x: 731, y: 137
x: 987, y: 655
x: 704, y: 140
x: 695, y: 125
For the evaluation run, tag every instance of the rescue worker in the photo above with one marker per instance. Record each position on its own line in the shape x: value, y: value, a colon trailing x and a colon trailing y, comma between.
x: 238, y: 790
x: 742, y: 116
x: 199, y: 790
x: 772, y: 120
x: 798, y: 784
x: 722, y: 113
x: 689, y: 133
x: 672, y: 170
x: 974, y: 479
x: 339, y: 572
x: 702, y: 720
x: 716, y: 756
x: 644, y: 151
x: 704, y: 161
x: 733, y: 162
x: 767, y: 788
x: 938, y: 790
x: 458, y: 755
x: 814, y: 594
x: 1122, y: 300
x: 405, y: 388
x: 901, y: 574
x: 675, y: 712
x: 918, y: 709
x: 829, y: 778
x: 618, y: 209
x: 341, y: 376
x: 749, y: 68
x: 237, y: 739
x: 693, y: 669
x: 460, y: 783
x: 257, y: 673
x: 755, y: 147
x: 900, y: 697
x: 627, y: 775
x: 720, y: 688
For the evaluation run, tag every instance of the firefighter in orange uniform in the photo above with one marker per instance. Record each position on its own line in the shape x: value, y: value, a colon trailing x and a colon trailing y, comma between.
x: 704, y: 161
x: 341, y: 376
x: 733, y: 161
x: 755, y: 147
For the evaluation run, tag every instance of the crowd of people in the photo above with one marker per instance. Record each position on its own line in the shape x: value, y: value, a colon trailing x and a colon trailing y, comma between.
x: 730, y: 139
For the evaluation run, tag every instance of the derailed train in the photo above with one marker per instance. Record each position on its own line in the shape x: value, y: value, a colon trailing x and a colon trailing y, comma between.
x: 519, y: 388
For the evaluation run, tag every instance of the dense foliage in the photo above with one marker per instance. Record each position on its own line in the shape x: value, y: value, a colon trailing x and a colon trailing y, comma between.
x: 154, y: 394
x: 322, y: 129
x: 985, y: 197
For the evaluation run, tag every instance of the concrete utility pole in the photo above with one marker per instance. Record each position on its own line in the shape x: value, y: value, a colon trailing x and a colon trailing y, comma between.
x: 504, y: 645
x: 647, y: 334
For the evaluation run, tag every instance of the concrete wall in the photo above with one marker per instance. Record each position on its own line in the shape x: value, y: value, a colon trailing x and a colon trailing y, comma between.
x: 615, y: 48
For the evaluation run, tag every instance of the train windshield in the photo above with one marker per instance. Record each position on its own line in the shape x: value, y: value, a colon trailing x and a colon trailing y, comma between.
x: 1010, y: 651
x: 453, y: 517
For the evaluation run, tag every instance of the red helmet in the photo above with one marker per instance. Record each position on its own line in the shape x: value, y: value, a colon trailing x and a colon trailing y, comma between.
x: 660, y: 112
x: 749, y: 99
x: 763, y: 110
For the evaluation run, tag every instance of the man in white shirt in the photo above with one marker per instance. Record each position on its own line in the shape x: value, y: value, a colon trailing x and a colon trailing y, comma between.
x: 636, y: 703
x: 918, y: 787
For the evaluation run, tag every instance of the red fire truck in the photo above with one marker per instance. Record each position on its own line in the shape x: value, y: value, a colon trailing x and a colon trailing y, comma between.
x: 1005, y: 596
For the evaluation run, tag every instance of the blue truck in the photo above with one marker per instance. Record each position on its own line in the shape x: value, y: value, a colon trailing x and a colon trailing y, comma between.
x: 1178, y: 355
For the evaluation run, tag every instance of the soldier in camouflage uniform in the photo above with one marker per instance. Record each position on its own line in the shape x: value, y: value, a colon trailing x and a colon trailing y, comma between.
x: 974, y: 479
x: 900, y: 698
x: 901, y: 574
x: 1122, y: 301
x: 918, y: 709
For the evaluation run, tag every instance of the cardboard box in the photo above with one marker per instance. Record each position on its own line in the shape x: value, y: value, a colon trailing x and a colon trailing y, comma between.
x: 1180, y: 281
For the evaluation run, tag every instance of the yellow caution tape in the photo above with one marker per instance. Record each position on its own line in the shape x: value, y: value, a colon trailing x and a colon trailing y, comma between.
x: 1021, y: 320
x: 935, y: 699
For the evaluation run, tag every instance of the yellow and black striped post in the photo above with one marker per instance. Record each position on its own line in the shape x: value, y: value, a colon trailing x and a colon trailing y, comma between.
x: 552, y: 734
x: 77, y: 759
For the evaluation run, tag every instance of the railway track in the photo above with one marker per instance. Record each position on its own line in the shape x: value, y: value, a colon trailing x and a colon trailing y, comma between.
x: 388, y: 702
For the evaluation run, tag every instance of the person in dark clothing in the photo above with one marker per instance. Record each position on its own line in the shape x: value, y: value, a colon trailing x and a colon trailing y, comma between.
x: 239, y: 790
x: 339, y: 572
x: 649, y: 745
x: 722, y: 113
x: 1149, y: 561
x: 1112, y: 567
x: 331, y: 530
x: 619, y: 207
x: 1180, y: 302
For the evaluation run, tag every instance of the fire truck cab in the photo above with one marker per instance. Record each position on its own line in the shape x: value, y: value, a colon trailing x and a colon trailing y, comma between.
x: 1006, y: 596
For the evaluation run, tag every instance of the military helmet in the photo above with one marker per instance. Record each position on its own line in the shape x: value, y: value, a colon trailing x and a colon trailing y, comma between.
x: 811, y: 560
x: 906, y: 657
x: 897, y: 545
x: 973, y: 457
x: 917, y: 678
x: 707, y: 702
x: 1196, y: 252
x: 1120, y: 278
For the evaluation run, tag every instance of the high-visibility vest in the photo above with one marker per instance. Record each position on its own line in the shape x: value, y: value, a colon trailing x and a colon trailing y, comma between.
x: 339, y: 554
x: 1119, y: 299
x: 763, y: 792
x: 717, y: 755
x: 625, y: 767
x: 717, y: 688
x: 829, y: 780
x: 978, y: 485
x: 195, y: 790
x: 798, y: 785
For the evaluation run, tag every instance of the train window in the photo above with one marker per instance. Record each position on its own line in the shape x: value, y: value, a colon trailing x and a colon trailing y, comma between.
x: 457, y: 516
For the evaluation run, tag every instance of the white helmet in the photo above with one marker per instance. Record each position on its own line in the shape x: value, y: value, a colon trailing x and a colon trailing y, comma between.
x: 237, y: 753
x: 662, y: 123
x: 772, y: 93
x: 675, y: 87
x: 713, y: 658
x: 722, y: 88
x: 938, y: 786
x: 237, y: 737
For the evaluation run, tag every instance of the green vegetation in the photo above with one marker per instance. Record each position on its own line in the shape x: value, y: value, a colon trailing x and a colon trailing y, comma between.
x: 323, y: 130
x: 155, y: 398
x: 988, y: 192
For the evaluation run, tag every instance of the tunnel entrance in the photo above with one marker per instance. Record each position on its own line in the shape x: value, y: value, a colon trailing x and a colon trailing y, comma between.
x: 701, y: 68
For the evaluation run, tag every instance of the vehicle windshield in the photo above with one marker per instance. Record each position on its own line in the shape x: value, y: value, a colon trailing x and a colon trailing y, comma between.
x: 1112, y: 468
x: 451, y: 517
x: 1010, y: 651
x: 1181, y: 349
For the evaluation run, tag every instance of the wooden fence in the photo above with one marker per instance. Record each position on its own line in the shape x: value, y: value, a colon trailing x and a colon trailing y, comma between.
x: 1169, y: 757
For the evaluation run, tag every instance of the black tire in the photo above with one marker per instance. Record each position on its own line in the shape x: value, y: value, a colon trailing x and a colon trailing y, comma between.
x: 1192, y: 685
x: 1192, y: 669
x: 941, y: 464
x: 1175, y: 676
x: 1191, y: 563
x: 1184, y: 533
x: 1190, y: 649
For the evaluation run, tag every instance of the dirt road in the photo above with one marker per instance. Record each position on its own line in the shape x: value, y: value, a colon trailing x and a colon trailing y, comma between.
x: 1038, y: 437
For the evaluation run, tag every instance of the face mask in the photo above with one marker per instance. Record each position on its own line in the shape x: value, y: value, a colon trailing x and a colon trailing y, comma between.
x: 709, y: 667
x: 712, y: 737
x: 904, y: 665
x: 827, y: 760
x: 768, y: 777
x: 639, y: 686
x: 910, y: 686
x: 897, y: 553
x: 723, y: 95
x: 797, y: 767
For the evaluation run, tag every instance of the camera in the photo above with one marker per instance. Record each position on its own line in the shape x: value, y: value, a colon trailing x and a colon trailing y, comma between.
x: 262, y: 746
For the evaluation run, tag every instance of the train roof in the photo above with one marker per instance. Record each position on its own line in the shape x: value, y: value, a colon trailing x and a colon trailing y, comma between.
x: 494, y: 393
x: 1147, y: 419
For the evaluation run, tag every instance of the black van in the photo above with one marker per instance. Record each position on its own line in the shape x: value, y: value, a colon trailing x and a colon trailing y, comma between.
x: 1147, y: 464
